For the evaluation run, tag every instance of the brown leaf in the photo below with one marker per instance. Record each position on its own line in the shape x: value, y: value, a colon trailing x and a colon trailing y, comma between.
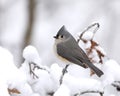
x: 11, y: 91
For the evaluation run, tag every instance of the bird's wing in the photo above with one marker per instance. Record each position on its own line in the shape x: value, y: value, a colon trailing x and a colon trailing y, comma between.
x: 76, y: 55
x: 72, y: 54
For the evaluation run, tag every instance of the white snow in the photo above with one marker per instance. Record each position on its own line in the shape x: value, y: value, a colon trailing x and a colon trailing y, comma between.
x: 87, y: 35
x: 78, y: 85
x: 10, y: 76
x: 30, y: 54
x: 74, y: 82
x: 13, y: 25
x: 45, y: 80
x: 3, y: 89
x: 62, y: 91
x: 111, y: 71
x: 78, y: 71
x: 56, y: 72
x: 8, y: 67
x: 44, y: 84
x: 101, y: 50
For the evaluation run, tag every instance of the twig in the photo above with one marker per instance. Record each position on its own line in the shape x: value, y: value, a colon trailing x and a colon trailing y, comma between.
x: 117, y: 85
x: 38, y: 67
x: 93, y: 47
x: 94, y: 31
x: 99, y: 92
x: 94, y: 44
x: 63, y: 73
x: 33, y: 69
x: 51, y: 93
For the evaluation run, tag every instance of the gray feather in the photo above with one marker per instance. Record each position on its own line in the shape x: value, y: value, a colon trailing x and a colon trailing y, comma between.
x: 70, y: 54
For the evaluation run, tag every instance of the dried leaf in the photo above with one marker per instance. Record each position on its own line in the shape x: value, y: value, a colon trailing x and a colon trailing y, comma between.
x: 15, y: 91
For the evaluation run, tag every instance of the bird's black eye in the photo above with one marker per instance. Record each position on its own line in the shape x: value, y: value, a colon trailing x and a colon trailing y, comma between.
x: 61, y: 36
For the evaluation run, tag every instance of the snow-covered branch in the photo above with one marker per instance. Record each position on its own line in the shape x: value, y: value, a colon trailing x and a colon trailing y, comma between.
x: 116, y: 84
x: 34, y: 78
x: 83, y: 36
x: 33, y: 66
x: 99, y: 92
x: 63, y: 73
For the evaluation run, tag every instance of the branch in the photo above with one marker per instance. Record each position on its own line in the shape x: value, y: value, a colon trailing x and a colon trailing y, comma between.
x: 99, y: 92
x: 117, y: 85
x: 63, y: 73
x: 31, y: 16
x: 38, y: 67
x: 33, y: 69
x: 89, y: 27
x: 28, y: 34
x: 85, y: 92
x: 93, y: 47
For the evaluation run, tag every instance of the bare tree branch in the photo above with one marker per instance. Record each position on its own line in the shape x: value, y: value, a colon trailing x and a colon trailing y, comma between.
x: 92, y: 91
x: 31, y: 10
x: 28, y: 32
x: 88, y: 28
x: 117, y: 85
x: 99, y: 92
x: 32, y: 69
x: 63, y: 73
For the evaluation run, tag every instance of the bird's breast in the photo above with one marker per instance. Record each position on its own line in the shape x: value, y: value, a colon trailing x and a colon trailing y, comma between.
x: 58, y: 56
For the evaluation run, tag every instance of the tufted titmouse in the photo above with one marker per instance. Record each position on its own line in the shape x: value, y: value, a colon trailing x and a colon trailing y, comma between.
x: 68, y: 50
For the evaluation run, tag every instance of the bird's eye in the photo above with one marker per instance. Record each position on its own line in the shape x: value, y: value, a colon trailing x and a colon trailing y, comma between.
x: 61, y: 36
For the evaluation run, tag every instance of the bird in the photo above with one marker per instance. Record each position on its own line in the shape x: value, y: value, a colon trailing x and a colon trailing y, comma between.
x: 68, y: 50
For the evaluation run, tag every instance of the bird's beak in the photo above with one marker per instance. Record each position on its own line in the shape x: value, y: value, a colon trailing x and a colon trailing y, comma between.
x: 55, y: 37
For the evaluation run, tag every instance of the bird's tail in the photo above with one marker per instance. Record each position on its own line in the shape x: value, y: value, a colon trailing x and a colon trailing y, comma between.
x: 95, y: 69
